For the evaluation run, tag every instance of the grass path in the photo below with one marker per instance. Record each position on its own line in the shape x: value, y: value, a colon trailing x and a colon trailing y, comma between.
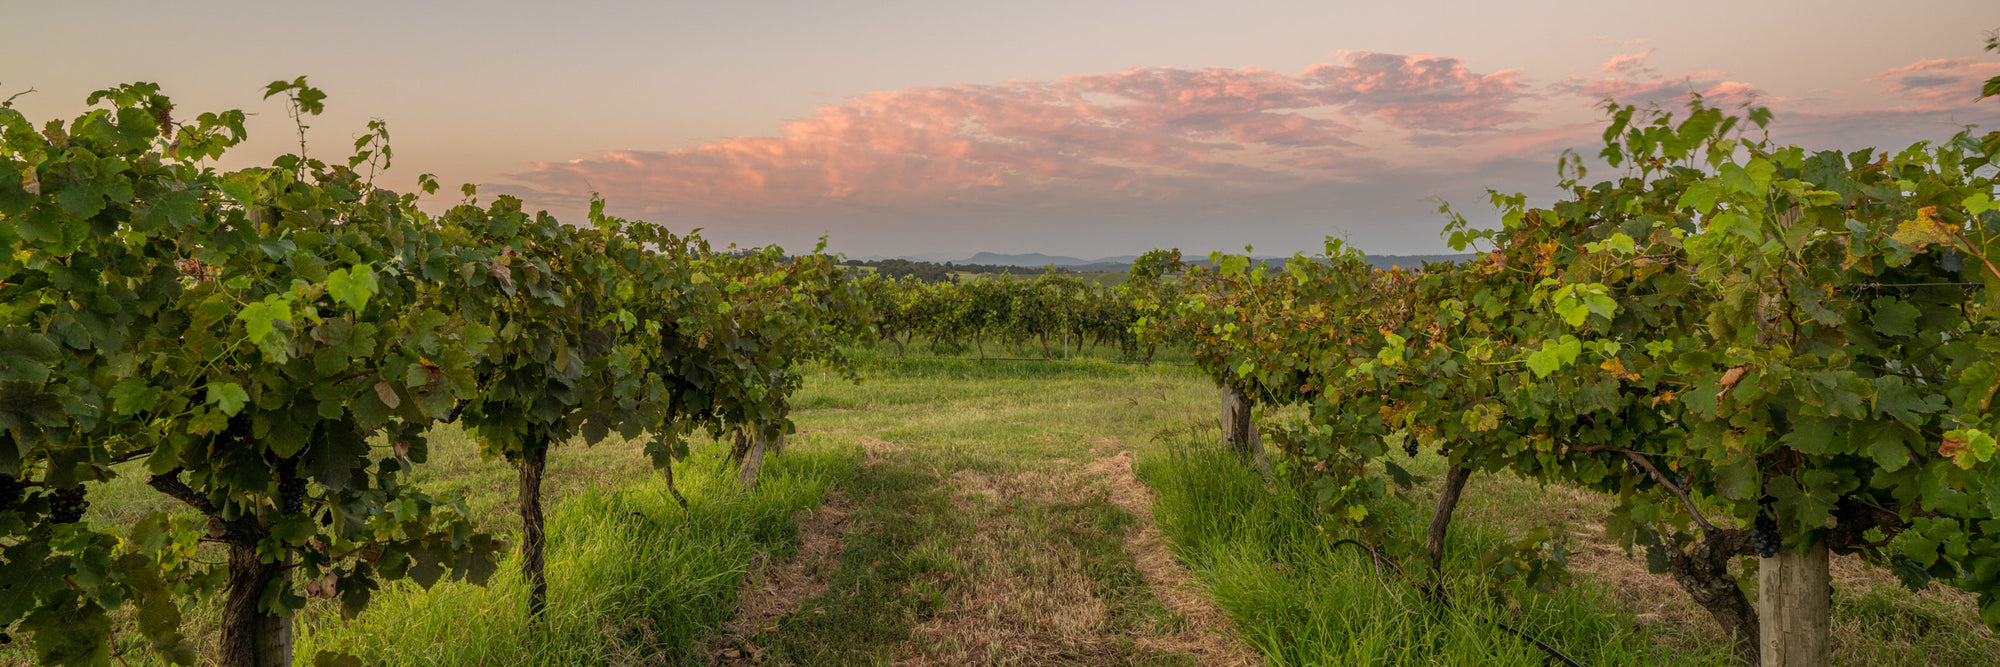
x: 993, y: 523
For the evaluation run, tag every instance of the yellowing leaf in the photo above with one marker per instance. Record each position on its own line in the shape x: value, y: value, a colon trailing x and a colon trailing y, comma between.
x: 1616, y: 367
x: 1925, y: 231
x: 1968, y: 447
x: 1483, y: 417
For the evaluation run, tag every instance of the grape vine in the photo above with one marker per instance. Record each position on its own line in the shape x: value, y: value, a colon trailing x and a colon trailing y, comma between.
x: 268, y: 347
x: 1758, y: 350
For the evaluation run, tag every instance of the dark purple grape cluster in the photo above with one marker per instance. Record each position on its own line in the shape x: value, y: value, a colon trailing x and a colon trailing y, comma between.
x: 67, y: 505
x: 1764, y: 536
x: 291, y: 487
x: 1410, y: 447
x: 10, y: 492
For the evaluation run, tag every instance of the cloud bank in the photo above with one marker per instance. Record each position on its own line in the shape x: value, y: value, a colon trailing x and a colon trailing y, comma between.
x: 1192, y: 146
x: 1147, y: 134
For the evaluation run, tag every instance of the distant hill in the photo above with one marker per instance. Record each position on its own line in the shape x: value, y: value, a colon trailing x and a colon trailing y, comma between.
x: 1378, y: 261
x: 1123, y: 263
x: 1029, y: 259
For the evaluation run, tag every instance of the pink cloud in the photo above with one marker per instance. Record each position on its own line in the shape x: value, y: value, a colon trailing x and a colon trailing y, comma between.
x: 1176, y: 138
x: 1627, y: 62
x: 1150, y: 133
x: 1940, y: 83
x: 1632, y: 81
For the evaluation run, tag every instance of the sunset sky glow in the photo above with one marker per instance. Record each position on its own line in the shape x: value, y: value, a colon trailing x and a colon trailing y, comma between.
x: 1085, y: 129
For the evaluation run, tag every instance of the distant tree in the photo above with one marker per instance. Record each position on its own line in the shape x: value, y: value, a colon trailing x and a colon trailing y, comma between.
x: 924, y: 271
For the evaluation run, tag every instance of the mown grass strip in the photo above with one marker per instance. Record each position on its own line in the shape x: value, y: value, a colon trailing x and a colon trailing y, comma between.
x: 1301, y: 600
x: 633, y: 577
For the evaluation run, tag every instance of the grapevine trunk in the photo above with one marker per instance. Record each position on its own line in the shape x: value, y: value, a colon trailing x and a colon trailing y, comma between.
x: 1454, y: 486
x: 251, y: 636
x: 533, y: 539
x: 1703, y: 571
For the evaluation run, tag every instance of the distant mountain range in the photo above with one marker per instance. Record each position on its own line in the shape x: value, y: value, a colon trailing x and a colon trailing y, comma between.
x: 1123, y: 263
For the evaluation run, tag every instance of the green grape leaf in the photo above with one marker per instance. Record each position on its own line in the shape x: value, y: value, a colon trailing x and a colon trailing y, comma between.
x: 1572, y: 310
x: 1896, y: 317
x: 238, y: 191
x: 261, y: 318
x: 228, y: 397
x: 1553, y: 355
x: 352, y: 286
x: 133, y: 396
x: 1739, y: 480
x: 1890, y: 453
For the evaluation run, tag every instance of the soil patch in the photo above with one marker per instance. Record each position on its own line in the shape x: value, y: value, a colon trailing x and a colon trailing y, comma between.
x: 772, y: 592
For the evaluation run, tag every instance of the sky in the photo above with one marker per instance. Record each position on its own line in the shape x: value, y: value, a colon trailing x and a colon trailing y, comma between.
x: 940, y: 129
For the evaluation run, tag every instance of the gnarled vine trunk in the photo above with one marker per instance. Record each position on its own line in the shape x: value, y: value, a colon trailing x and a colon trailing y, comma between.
x: 739, y: 446
x: 1454, y: 487
x: 250, y: 635
x: 533, y: 539
x: 1703, y: 571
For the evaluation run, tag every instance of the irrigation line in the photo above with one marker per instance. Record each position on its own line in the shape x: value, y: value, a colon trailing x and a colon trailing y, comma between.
x: 1551, y: 650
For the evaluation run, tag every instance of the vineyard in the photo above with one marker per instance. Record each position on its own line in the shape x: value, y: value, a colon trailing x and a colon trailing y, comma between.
x: 239, y: 411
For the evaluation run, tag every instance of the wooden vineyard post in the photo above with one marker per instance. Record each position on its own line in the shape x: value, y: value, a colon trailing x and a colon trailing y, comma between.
x: 1794, y: 608
x: 1235, y: 420
x: 753, y: 461
x: 1239, y: 430
x: 1258, y: 459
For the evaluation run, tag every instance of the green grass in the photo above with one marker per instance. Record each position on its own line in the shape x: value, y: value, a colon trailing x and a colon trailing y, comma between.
x: 979, y: 534
x: 632, y: 576
x: 1303, y: 600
